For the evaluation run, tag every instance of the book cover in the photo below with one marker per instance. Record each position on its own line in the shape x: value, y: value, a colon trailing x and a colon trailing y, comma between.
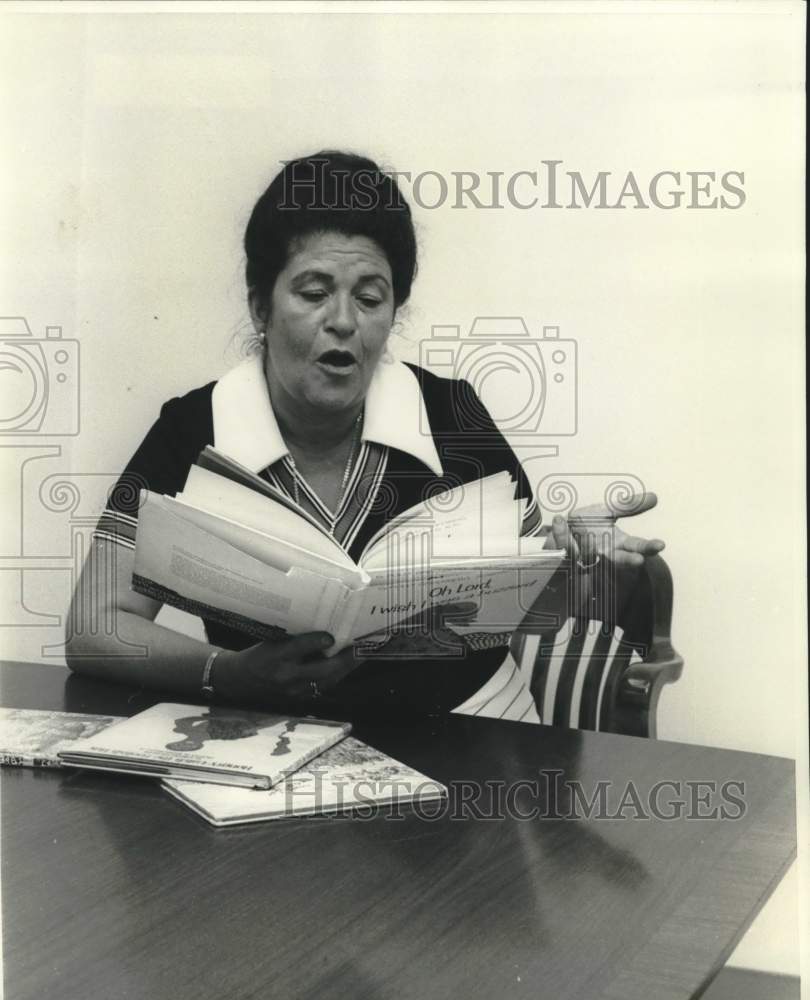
x: 33, y: 738
x: 199, y: 743
x: 349, y: 776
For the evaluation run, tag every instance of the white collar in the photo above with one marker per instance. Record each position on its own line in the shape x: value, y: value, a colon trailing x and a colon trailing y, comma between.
x: 245, y: 426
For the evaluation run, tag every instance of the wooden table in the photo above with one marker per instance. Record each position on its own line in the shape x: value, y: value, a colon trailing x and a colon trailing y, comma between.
x: 114, y: 891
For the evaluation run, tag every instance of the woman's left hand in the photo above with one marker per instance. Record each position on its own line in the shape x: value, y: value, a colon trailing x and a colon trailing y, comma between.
x: 590, y: 533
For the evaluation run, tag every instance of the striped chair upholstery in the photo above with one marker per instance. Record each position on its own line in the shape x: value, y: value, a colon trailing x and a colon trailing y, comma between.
x: 601, y: 668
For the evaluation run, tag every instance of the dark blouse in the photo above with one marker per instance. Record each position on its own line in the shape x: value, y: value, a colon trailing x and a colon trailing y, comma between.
x: 469, y: 446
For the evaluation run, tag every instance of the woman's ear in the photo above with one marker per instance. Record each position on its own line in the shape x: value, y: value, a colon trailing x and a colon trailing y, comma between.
x: 259, y: 312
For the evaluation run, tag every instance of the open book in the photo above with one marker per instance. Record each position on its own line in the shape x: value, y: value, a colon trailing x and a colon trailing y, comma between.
x: 234, y: 548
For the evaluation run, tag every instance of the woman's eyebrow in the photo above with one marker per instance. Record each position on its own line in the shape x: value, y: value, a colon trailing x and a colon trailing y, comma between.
x: 312, y: 275
x: 373, y: 277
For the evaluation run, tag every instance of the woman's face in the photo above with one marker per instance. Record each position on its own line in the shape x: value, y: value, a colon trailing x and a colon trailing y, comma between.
x: 330, y: 316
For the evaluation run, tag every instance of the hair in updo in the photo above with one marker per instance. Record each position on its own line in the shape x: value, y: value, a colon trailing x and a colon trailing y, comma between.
x: 329, y: 192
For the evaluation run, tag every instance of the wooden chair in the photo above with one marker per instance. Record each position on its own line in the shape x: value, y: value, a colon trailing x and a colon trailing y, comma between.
x: 604, y: 666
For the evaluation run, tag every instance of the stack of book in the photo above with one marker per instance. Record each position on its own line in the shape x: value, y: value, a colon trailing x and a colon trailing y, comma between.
x: 228, y: 765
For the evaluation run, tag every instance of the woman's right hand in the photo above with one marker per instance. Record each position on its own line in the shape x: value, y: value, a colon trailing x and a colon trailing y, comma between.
x: 274, y: 673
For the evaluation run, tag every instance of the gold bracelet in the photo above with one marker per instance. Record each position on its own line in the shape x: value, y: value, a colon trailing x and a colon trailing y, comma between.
x: 207, y: 688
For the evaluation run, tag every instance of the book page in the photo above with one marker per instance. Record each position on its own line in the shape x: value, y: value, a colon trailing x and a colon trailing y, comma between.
x: 276, y: 552
x: 214, y: 493
x: 422, y: 540
x: 186, y: 565
x: 481, y: 517
x: 227, y: 467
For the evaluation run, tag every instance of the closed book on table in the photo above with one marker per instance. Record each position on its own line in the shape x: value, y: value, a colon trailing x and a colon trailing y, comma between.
x: 222, y: 745
x: 31, y: 737
x: 348, y: 777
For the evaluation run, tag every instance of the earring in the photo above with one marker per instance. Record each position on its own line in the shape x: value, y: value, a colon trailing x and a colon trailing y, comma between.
x: 263, y: 338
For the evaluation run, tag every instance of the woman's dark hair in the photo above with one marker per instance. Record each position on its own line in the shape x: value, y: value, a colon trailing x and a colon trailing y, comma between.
x: 329, y: 192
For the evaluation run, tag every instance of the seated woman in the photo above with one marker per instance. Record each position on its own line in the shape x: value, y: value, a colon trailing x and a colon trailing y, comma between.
x: 324, y: 413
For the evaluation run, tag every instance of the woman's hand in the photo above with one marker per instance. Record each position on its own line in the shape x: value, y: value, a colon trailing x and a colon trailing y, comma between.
x: 272, y: 673
x: 590, y: 533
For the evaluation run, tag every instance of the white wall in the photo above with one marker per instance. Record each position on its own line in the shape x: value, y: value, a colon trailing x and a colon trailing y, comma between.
x: 140, y: 143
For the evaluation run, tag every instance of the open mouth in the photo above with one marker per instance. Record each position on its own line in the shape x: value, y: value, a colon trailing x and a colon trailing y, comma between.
x: 337, y: 361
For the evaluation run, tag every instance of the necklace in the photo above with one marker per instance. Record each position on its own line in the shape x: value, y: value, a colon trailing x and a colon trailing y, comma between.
x: 347, y: 471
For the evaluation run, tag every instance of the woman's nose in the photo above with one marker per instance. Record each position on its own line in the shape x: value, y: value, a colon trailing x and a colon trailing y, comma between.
x: 342, y: 320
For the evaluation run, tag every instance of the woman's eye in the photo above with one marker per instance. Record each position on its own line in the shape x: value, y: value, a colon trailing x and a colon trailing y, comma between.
x: 313, y: 294
x: 369, y: 301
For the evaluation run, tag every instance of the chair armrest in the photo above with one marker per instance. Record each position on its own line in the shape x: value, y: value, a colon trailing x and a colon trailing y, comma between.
x: 639, y: 689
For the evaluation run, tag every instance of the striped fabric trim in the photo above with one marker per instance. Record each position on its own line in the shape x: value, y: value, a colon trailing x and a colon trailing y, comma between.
x: 532, y: 520
x: 113, y: 526
x: 571, y: 655
x: 358, y: 499
x: 274, y: 480
x: 507, y: 694
x: 313, y: 504
x: 614, y: 651
x: 364, y: 494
